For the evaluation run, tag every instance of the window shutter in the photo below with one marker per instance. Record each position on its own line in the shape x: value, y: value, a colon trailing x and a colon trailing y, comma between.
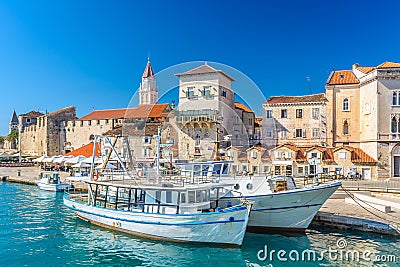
x: 304, y: 133
x: 318, y: 155
x: 294, y: 133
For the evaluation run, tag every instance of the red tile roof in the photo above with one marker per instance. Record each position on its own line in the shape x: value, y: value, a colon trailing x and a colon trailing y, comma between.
x: 265, y: 156
x: 148, y: 71
x: 32, y: 114
x: 143, y: 111
x: 242, y: 107
x: 358, y: 155
x: 203, y: 69
x: 342, y: 77
x: 387, y: 65
x: 86, y: 151
x: 258, y: 147
x: 296, y: 99
x: 366, y: 70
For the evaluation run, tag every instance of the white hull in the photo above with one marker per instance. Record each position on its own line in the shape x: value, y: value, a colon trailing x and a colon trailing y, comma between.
x: 227, y: 227
x: 53, y: 187
x: 291, y: 210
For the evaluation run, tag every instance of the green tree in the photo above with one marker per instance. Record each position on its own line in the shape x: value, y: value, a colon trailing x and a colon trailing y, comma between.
x: 13, y: 137
x: 2, y: 140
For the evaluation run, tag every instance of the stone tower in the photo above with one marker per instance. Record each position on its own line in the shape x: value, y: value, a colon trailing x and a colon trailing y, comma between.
x: 13, y: 122
x: 148, y: 91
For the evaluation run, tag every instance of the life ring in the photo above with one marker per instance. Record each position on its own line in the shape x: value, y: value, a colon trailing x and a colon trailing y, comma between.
x: 139, y: 173
x: 95, y: 176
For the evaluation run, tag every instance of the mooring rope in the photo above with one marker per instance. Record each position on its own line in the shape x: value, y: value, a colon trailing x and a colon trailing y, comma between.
x: 390, y: 222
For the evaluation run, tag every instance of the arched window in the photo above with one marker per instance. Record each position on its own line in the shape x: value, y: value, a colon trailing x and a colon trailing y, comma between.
x: 345, y: 127
x: 346, y: 104
x: 394, y: 125
x: 394, y: 99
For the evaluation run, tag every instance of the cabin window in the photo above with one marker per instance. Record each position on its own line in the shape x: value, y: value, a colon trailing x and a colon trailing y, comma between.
x: 183, y: 197
x: 198, y: 196
x: 225, y: 169
x: 158, y: 196
x: 217, y: 169
x: 191, y: 196
x: 205, y: 170
x: 168, y: 196
x: 196, y: 170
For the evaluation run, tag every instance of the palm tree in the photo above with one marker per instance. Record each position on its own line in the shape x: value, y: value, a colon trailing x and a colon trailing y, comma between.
x: 2, y: 140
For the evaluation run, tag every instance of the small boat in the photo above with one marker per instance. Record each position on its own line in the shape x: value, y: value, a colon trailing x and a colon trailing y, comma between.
x: 50, y: 181
x: 278, y: 204
x: 178, y: 211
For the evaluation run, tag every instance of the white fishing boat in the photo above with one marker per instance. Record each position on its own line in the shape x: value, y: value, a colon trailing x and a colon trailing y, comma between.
x: 277, y: 203
x: 173, y: 211
x: 50, y: 181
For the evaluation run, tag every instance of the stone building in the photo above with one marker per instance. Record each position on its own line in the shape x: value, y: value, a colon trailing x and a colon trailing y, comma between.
x: 288, y: 159
x: 207, y: 113
x: 363, y: 111
x: 45, y: 134
x: 300, y: 120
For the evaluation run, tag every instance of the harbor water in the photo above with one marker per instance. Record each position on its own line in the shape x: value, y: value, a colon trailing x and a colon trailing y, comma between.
x: 37, y: 230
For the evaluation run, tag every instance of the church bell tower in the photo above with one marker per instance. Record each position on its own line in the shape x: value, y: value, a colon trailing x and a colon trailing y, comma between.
x: 148, y: 89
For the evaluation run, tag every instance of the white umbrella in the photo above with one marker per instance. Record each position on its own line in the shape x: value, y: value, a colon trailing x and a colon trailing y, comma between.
x: 75, y: 160
x: 49, y: 160
x: 108, y: 166
x: 40, y: 159
x: 62, y: 159
x: 97, y: 160
x: 80, y: 165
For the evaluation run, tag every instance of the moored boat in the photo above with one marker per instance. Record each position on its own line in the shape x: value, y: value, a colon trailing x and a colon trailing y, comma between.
x: 176, y: 210
x: 181, y: 214
x: 277, y: 202
x: 50, y: 181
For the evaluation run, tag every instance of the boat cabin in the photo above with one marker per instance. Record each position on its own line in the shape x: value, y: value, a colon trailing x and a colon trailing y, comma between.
x: 207, y: 169
x: 163, y: 199
x: 50, y: 177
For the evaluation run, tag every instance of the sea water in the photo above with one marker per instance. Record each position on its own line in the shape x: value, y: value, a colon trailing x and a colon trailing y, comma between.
x: 37, y: 230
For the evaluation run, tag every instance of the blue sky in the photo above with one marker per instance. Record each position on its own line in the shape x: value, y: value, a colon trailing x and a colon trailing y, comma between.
x: 91, y: 54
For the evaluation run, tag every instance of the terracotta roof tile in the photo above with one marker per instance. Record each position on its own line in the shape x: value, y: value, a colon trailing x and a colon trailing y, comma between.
x: 387, y: 65
x: 258, y: 147
x: 296, y: 99
x: 358, y: 155
x: 265, y: 156
x: 32, y: 114
x: 366, y: 70
x: 203, y: 69
x: 143, y: 111
x: 342, y: 77
x: 242, y: 107
x: 328, y: 156
x: 86, y: 151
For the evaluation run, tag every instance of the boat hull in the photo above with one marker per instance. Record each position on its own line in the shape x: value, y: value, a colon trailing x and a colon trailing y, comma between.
x: 291, y: 210
x: 227, y: 227
x: 53, y: 187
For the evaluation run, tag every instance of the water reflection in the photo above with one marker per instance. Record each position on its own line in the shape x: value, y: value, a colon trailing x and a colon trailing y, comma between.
x: 37, y: 230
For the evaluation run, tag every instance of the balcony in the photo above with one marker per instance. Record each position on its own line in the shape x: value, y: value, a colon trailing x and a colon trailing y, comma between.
x: 204, y: 115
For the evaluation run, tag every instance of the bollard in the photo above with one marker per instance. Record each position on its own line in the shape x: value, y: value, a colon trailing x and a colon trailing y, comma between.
x: 19, y: 172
